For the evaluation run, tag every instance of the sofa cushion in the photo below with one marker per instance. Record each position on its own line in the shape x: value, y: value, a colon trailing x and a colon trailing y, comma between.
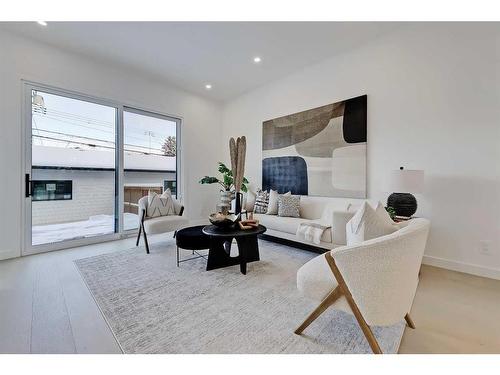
x: 288, y: 225
x: 315, y: 207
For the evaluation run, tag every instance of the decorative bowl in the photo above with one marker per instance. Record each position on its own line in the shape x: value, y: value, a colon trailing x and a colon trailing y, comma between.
x: 222, y: 221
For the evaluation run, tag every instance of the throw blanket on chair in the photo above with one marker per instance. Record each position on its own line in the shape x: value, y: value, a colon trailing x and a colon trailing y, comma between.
x: 312, y: 231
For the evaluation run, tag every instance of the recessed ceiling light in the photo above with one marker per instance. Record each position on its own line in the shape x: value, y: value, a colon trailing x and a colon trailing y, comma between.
x: 208, y: 86
x: 257, y: 59
x: 42, y: 23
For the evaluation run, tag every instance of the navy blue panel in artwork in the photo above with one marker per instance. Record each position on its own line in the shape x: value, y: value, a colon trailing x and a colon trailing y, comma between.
x: 284, y: 174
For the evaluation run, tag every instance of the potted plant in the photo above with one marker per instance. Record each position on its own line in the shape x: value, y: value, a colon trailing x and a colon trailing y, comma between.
x: 392, y: 212
x: 227, y: 179
x: 227, y: 184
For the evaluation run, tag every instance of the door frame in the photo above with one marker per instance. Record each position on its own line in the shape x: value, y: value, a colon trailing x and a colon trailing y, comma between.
x: 26, y: 159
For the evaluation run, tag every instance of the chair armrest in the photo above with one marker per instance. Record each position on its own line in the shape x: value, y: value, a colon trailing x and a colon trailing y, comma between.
x: 178, y: 207
x: 340, y: 219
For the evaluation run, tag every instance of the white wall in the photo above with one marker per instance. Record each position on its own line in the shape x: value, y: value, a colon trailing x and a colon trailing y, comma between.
x: 433, y: 104
x: 21, y: 58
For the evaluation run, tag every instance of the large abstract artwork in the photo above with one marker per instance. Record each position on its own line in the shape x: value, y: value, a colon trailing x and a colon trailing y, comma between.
x: 321, y: 151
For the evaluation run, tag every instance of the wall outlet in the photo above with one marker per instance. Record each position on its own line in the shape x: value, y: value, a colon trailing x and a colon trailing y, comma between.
x: 485, y: 247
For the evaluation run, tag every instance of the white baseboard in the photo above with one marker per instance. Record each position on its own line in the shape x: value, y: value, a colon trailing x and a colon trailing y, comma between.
x: 8, y: 254
x: 473, y: 269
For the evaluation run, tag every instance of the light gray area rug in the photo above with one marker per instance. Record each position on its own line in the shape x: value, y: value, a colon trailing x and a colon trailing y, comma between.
x: 154, y: 307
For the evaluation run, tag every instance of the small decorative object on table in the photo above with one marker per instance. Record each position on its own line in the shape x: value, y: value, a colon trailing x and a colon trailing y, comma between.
x: 223, y: 221
x: 248, y: 224
x: 404, y: 182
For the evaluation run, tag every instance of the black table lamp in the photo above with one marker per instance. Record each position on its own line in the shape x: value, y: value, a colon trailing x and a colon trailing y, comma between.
x: 404, y: 182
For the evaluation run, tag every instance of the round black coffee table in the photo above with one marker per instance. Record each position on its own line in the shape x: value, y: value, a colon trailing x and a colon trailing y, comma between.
x: 220, y: 246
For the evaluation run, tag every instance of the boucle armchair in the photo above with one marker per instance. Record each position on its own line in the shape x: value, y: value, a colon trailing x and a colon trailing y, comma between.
x: 160, y: 224
x: 375, y: 280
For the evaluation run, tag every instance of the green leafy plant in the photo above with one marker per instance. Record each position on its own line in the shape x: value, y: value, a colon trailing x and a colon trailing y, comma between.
x: 227, y: 179
x: 391, y: 211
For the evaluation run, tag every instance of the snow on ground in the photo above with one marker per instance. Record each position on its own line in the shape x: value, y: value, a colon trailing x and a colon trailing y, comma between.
x: 95, y: 226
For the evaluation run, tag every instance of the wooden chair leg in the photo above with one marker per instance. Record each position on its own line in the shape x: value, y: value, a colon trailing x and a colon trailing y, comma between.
x: 326, y: 303
x: 409, y: 321
x: 370, y: 337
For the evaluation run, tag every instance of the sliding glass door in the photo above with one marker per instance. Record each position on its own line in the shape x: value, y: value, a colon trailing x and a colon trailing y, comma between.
x: 88, y: 162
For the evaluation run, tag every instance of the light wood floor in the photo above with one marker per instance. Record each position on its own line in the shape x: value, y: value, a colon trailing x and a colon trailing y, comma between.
x: 45, y: 307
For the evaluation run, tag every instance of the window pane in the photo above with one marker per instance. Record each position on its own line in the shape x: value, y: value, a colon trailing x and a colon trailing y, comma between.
x: 150, y: 150
x: 73, y: 168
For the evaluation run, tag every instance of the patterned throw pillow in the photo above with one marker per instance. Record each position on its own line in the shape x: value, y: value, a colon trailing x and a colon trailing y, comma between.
x: 289, y: 205
x: 261, y: 202
x: 272, y: 207
x: 160, y: 205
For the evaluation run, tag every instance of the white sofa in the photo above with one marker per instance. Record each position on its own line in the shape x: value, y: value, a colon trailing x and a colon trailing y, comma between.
x: 375, y: 280
x: 338, y: 212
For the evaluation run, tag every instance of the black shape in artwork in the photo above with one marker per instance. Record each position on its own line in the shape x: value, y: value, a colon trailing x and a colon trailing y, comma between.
x: 354, y: 125
x: 284, y: 174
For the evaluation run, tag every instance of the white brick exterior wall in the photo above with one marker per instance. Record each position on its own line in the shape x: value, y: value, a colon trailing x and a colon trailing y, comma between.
x: 93, y: 194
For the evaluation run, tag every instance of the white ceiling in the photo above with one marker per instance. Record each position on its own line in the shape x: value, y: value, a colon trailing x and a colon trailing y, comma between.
x: 191, y: 54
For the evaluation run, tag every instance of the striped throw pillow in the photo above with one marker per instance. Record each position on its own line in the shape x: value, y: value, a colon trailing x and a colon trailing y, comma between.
x: 261, y: 202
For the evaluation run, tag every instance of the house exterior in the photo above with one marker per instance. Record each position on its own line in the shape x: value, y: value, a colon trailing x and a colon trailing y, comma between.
x: 75, y: 184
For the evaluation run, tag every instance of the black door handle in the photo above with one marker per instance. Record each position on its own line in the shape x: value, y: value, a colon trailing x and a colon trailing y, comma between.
x: 27, y: 185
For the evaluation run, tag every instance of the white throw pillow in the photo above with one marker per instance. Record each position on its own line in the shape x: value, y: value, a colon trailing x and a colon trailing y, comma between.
x: 272, y: 206
x: 367, y: 224
x: 175, y: 203
x: 160, y: 205
x: 383, y: 213
x: 250, y: 201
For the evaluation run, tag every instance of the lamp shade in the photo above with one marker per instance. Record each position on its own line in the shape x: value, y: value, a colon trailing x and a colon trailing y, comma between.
x: 407, y: 181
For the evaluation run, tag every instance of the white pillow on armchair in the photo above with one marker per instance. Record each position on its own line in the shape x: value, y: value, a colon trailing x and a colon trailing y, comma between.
x: 368, y: 223
x: 160, y: 205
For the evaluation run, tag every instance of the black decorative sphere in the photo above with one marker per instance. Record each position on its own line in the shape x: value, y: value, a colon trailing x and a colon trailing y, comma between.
x: 405, y: 204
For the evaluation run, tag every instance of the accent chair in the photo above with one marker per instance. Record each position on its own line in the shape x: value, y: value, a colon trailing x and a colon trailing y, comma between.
x: 375, y: 280
x: 160, y: 224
